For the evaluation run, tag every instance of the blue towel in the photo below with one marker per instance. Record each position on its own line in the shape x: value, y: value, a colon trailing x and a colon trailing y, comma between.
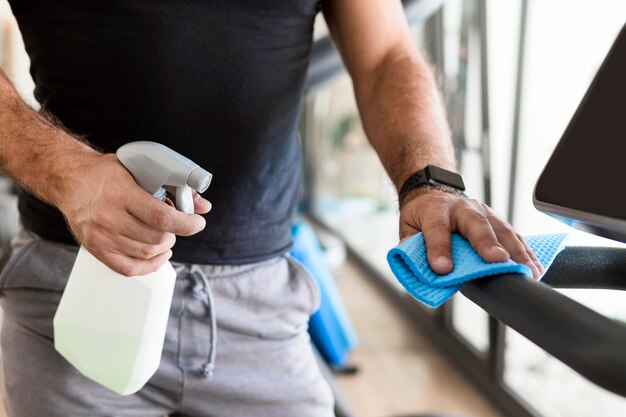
x: 410, y: 266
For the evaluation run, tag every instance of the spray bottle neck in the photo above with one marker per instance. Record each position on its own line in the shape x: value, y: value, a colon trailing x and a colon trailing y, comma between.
x: 161, y: 194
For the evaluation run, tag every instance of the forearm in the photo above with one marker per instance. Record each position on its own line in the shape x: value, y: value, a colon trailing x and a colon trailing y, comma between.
x: 108, y: 213
x: 405, y: 121
x: 404, y: 116
x: 34, y: 152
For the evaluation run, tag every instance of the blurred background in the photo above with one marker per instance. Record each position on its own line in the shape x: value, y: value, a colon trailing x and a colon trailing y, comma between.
x: 512, y: 73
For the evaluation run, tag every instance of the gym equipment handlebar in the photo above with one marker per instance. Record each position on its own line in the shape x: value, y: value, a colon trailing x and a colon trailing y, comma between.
x: 588, y: 342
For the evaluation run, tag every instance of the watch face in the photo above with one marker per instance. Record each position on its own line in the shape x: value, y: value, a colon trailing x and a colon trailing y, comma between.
x: 446, y: 177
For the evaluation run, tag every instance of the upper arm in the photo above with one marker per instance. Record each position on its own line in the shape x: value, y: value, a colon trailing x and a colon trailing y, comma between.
x: 367, y: 32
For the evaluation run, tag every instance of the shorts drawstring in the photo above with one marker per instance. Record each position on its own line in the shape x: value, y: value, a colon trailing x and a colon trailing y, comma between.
x: 202, y: 291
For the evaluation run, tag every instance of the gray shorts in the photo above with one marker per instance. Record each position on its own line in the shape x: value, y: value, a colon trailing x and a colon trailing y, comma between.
x: 264, y: 364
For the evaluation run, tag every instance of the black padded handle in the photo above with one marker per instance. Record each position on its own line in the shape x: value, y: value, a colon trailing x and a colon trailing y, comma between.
x: 588, y: 267
x: 591, y: 344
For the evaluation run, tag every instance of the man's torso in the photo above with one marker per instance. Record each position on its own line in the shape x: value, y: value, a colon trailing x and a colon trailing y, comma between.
x: 217, y: 81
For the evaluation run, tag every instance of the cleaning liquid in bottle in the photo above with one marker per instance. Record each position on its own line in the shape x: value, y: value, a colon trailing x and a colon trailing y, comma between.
x: 111, y: 327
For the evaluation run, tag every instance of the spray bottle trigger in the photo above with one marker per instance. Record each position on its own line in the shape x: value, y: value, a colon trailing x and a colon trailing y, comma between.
x: 183, y: 196
x: 184, y: 199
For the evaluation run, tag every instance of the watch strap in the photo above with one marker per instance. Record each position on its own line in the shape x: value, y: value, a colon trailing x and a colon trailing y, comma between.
x: 435, y: 177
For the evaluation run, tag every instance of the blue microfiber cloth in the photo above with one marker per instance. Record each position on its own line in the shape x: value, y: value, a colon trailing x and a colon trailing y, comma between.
x: 410, y: 266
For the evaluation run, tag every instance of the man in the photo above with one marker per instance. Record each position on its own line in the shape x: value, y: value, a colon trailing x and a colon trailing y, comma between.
x: 219, y: 82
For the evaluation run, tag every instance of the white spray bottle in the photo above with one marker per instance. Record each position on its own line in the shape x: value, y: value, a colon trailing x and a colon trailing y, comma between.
x: 112, y: 327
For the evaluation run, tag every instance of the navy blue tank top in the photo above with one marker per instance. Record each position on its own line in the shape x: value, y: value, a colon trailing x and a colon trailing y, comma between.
x: 219, y: 81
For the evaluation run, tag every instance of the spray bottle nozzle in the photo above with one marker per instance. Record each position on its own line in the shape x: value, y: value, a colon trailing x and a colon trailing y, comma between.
x: 199, y: 179
x: 155, y: 166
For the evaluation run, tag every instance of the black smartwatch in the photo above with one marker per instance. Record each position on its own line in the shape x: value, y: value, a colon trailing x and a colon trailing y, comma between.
x: 435, y: 177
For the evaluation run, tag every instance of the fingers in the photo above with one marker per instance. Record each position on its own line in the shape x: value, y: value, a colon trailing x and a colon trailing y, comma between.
x: 201, y: 205
x: 534, y: 258
x: 132, y: 267
x: 473, y: 224
x: 130, y: 256
x: 436, y: 230
x: 165, y: 218
x: 493, y: 239
x: 136, y: 249
x: 515, y: 245
x: 118, y: 222
x: 132, y: 228
x: 438, y: 215
x: 126, y: 256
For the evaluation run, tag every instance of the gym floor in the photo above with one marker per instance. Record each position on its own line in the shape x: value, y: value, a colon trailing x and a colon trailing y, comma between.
x: 400, y: 373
